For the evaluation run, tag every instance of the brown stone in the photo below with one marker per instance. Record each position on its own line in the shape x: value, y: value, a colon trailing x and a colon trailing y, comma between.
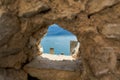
x: 111, y: 31
x: 96, y: 6
x: 2, y: 11
x: 11, y: 74
x: 7, y: 2
x: 11, y: 59
x: 106, y: 58
x: 31, y: 8
x: 24, y: 22
x: 45, y: 74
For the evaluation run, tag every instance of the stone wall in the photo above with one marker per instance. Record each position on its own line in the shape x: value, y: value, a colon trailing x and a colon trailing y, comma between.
x: 95, y: 22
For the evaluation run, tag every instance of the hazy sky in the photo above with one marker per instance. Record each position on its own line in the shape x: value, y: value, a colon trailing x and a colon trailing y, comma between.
x: 56, y: 30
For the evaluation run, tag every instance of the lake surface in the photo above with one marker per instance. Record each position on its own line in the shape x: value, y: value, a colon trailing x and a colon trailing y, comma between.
x: 61, y: 44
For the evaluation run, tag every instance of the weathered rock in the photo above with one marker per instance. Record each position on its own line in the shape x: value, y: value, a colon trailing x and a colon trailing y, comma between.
x: 111, y: 31
x: 9, y: 25
x: 106, y: 58
x: 12, y: 59
x: 45, y: 69
x: 9, y: 57
x: 45, y: 74
x: 2, y: 11
x: 7, y: 2
x: 99, y: 57
x: 96, y: 6
x: 8, y: 52
x: 31, y: 8
x: 23, y: 24
x: 66, y: 10
x: 11, y: 74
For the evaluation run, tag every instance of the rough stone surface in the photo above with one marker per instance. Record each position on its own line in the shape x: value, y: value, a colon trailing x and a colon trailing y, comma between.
x: 10, y: 56
x: 11, y: 74
x: 8, y: 26
x: 96, y: 6
x: 95, y: 23
x: 12, y: 60
x: 46, y: 68
x: 111, y: 30
x: 31, y: 8
x: 42, y: 62
x: 44, y: 74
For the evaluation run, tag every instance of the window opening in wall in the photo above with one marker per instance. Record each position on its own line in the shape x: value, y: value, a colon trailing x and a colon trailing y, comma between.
x: 59, y: 41
x: 59, y: 49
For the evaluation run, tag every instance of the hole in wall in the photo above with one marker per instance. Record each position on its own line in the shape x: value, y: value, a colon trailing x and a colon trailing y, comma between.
x: 58, y: 41
x: 32, y: 78
x: 89, y: 16
x: 59, y: 57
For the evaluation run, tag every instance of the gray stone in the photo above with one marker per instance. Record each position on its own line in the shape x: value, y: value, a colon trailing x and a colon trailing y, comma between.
x: 9, y: 25
x: 9, y: 57
x: 46, y: 69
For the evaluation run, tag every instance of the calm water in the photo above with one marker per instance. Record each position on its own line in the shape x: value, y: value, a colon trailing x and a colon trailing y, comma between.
x: 57, y: 38
x: 61, y: 44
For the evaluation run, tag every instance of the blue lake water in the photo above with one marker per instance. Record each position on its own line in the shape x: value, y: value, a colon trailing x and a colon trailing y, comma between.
x: 59, y: 39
